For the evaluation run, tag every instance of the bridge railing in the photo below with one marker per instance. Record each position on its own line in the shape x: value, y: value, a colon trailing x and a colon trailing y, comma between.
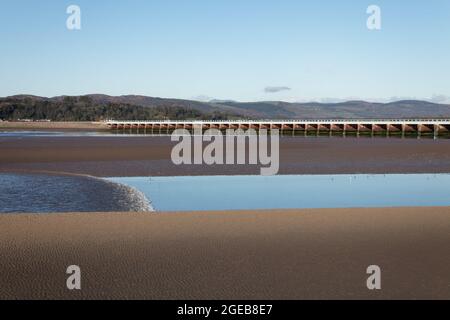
x: 325, y: 121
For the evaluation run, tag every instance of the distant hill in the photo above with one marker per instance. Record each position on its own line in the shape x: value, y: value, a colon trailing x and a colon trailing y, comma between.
x: 97, y: 106
x: 350, y: 109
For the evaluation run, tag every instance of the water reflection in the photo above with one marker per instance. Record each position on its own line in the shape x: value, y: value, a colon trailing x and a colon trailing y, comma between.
x: 293, y: 191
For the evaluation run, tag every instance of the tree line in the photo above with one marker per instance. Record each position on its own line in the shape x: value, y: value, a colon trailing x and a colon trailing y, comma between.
x: 84, y: 109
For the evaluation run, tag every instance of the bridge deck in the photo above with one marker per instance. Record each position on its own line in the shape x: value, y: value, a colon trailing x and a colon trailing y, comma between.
x: 328, y: 125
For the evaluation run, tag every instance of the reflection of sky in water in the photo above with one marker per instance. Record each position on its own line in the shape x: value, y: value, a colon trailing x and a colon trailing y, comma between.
x: 293, y: 191
x: 25, y: 134
x: 77, y: 133
x: 39, y: 133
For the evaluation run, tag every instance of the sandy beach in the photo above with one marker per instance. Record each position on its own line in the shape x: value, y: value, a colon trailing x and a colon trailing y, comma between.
x: 279, y: 254
x: 292, y: 254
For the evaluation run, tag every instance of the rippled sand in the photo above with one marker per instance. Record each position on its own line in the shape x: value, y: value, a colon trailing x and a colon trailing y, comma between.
x: 150, y: 156
x: 294, y: 254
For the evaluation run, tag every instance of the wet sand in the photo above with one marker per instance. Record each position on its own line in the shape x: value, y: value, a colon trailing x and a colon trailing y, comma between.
x: 279, y: 254
x: 150, y: 156
x: 291, y: 254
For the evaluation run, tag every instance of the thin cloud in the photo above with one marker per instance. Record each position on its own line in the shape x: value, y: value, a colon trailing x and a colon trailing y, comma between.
x: 440, y: 98
x: 202, y: 98
x: 275, y: 89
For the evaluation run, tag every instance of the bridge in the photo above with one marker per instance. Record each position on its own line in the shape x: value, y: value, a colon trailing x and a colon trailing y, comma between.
x: 370, y: 126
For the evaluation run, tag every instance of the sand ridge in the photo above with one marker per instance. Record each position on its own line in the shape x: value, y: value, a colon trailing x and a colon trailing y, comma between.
x: 278, y: 254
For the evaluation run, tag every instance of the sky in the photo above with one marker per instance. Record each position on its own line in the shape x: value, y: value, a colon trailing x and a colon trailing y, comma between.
x: 246, y: 50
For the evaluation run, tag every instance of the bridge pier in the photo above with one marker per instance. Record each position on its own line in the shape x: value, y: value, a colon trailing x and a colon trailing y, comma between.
x: 392, y: 126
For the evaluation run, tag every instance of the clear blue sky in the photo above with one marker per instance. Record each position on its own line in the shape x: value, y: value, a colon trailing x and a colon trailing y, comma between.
x: 227, y: 49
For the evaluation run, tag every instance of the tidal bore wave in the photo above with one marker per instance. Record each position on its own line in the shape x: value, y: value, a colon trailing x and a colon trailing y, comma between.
x: 49, y: 193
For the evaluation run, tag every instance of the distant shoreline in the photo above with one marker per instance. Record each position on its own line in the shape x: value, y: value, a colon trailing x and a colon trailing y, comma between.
x: 53, y: 125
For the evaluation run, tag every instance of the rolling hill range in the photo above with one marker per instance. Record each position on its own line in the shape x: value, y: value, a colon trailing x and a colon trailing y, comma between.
x: 97, y: 106
x: 350, y: 109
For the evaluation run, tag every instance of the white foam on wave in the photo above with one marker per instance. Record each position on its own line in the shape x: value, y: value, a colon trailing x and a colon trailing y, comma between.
x: 55, y: 192
x: 137, y: 201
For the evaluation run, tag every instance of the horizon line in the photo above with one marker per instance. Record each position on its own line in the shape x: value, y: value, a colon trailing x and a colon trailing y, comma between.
x: 219, y: 101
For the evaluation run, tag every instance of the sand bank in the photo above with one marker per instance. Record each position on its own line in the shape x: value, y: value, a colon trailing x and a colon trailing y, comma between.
x: 54, y: 125
x: 144, y: 156
x: 292, y: 254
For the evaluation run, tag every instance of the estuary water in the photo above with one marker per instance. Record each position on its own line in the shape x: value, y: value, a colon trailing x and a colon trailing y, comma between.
x: 45, y: 193
x: 292, y: 191
x: 43, y: 133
